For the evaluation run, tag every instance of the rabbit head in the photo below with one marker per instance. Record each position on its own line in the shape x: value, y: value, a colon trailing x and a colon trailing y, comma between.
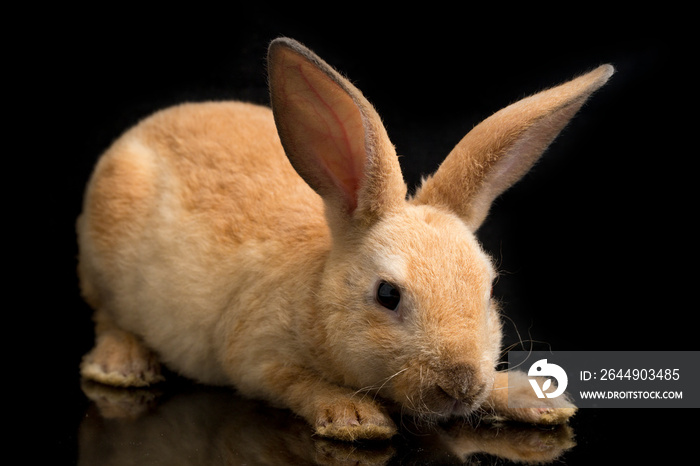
x: 404, y: 308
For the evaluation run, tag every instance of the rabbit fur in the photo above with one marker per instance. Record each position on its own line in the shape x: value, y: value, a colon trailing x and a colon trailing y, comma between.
x: 246, y: 246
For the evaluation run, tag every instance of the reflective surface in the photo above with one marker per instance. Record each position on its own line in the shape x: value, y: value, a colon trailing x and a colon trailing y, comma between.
x: 207, y: 426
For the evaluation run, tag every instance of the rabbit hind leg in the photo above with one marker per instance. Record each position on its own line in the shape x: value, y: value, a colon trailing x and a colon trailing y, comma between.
x: 119, y: 358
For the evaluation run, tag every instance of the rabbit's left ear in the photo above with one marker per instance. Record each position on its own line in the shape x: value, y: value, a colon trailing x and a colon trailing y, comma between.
x: 333, y: 136
x: 500, y: 150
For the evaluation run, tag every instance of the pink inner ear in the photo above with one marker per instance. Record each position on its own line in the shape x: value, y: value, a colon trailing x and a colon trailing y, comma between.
x: 348, y: 183
x: 332, y: 130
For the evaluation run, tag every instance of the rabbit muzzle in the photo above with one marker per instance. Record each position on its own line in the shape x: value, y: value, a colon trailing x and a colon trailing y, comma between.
x: 457, y: 390
x: 453, y: 390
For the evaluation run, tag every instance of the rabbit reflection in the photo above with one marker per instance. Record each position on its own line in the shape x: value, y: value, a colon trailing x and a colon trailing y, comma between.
x: 210, y: 426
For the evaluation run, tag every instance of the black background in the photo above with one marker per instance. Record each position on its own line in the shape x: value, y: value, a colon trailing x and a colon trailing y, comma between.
x: 595, y: 245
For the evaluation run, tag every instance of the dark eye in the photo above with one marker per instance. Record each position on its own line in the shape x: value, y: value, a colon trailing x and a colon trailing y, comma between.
x: 388, y: 295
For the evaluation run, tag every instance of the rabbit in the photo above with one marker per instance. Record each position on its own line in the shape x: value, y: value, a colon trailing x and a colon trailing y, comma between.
x: 276, y: 251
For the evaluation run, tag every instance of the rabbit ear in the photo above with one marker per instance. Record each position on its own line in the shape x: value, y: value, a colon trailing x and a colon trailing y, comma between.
x: 332, y: 135
x: 500, y: 150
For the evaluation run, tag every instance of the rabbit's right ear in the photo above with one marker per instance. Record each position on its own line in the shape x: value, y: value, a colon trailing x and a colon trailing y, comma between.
x: 500, y: 150
x: 332, y: 136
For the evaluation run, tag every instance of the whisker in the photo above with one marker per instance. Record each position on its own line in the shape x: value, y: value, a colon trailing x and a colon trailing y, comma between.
x: 521, y: 343
x: 498, y: 388
x: 378, y: 386
x: 515, y: 327
x: 386, y: 381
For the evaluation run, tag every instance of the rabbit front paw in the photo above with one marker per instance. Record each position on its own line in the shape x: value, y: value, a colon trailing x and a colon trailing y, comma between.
x: 512, y: 398
x: 348, y: 419
x: 542, y: 415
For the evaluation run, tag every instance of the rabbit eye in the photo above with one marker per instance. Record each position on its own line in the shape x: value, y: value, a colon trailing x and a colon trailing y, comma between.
x: 388, y: 295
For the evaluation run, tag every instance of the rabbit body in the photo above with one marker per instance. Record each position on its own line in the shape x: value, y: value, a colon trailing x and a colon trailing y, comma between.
x: 275, y: 251
x: 179, y: 239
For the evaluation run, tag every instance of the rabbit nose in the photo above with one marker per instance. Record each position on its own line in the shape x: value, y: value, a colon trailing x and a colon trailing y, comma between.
x: 460, y: 382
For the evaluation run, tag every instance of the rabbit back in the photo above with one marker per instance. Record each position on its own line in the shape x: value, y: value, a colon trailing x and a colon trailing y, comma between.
x: 222, y: 160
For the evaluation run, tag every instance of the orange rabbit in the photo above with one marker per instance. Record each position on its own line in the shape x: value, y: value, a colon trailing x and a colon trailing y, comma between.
x: 275, y: 251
